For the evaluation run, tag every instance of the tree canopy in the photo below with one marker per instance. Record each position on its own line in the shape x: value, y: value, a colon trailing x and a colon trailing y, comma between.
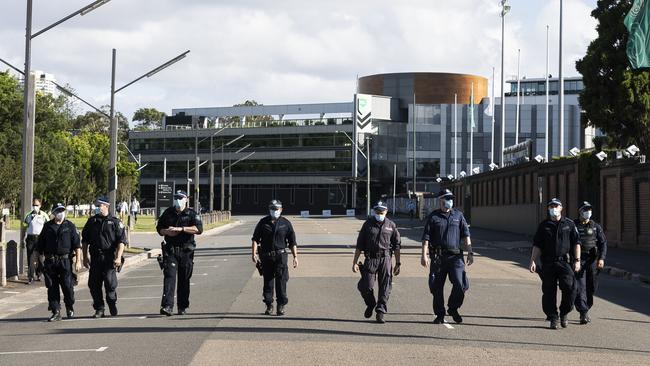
x: 148, y: 118
x: 616, y: 99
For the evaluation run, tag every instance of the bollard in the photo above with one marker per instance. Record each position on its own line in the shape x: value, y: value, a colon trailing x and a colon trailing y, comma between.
x: 12, y: 264
x: 3, y: 256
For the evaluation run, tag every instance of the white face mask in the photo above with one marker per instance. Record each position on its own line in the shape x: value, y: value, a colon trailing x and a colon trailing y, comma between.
x: 586, y: 215
x: 274, y: 213
x: 36, y: 208
x: 59, y: 216
x: 554, y: 211
x: 98, y: 211
x: 379, y: 217
x: 179, y: 204
x: 449, y: 204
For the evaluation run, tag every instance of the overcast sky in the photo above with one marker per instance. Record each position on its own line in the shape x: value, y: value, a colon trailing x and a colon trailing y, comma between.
x: 283, y: 51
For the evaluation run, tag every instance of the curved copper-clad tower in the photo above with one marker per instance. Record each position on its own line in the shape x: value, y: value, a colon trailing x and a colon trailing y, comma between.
x: 429, y: 87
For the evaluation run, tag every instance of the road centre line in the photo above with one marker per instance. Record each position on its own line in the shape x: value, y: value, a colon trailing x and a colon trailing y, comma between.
x: 100, y: 349
x: 448, y: 326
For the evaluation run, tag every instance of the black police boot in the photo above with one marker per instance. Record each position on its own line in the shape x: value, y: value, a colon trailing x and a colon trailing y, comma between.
x: 454, y: 314
x: 440, y: 319
x: 380, y: 318
x: 564, y: 321
x: 69, y: 311
x: 368, y: 313
x: 112, y: 308
x: 280, y: 311
x: 166, y: 311
x: 584, y: 318
x: 56, y: 316
x: 182, y: 311
x: 269, y: 309
x: 99, y: 314
x: 555, y: 324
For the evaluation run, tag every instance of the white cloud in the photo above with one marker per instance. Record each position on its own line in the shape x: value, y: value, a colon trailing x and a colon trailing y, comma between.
x: 283, y: 51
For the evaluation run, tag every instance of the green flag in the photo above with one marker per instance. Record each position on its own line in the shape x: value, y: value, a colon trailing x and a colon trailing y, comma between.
x: 637, y: 23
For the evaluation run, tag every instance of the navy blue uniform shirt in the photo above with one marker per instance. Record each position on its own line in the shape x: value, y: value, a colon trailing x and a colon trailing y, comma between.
x: 187, y: 217
x: 376, y: 237
x: 274, y: 236
x: 58, y: 239
x: 556, y: 238
x: 592, y: 228
x: 445, y: 230
x: 103, y: 233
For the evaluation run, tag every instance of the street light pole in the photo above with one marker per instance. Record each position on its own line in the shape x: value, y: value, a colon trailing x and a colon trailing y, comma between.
x: 368, y: 178
x: 230, y: 177
x: 561, y: 85
x: 505, y: 8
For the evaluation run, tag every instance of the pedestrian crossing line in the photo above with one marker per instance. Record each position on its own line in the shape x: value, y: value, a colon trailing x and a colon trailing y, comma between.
x: 448, y: 326
x: 126, y: 298
x: 100, y: 349
x: 160, y: 276
x: 138, y: 286
x: 106, y: 318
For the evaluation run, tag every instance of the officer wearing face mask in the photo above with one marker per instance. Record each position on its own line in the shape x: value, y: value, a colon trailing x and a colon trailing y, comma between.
x: 442, y: 252
x: 378, y: 239
x: 58, y: 239
x: 178, y: 224
x: 33, y: 225
x: 104, y: 237
x: 593, y: 246
x: 271, y: 238
x: 557, y: 245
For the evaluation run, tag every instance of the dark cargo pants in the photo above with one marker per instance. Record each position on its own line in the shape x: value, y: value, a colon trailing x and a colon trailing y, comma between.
x: 554, y: 274
x: 586, y: 284
x: 181, y: 262
x: 382, y: 270
x: 275, y: 271
x: 454, y: 267
x: 102, y: 274
x: 58, y: 274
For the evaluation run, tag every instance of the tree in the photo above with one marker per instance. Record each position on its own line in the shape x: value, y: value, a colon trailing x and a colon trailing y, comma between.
x: 615, y: 98
x: 148, y: 118
x: 249, y: 119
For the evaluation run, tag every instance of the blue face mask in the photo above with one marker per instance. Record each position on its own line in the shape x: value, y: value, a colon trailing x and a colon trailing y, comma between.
x: 274, y: 213
x: 98, y: 211
x: 449, y: 204
x: 379, y: 217
x: 554, y: 211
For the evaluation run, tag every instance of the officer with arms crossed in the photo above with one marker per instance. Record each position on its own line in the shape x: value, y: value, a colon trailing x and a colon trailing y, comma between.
x: 557, y: 244
x: 33, y: 225
x: 104, y: 237
x: 58, y: 239
x: 178, y: 224
x: 378, y: 239
x: 273, y: 234
x: 593, y: 247
x: 441, y: 249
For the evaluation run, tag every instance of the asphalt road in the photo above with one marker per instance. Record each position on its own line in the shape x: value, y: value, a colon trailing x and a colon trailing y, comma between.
x: 324, y: 324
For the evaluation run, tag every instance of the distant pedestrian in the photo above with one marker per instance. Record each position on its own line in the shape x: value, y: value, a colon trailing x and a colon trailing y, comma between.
x: 410, y: 207
x: 378, y: 239
x: 557, y: 244
x: 442, y: 252
x: 58, y: 239
x: 271, y: 238
x: 593, y: 249
x: 33, y: 225
x: 123, y: 210
x: 135, y: 209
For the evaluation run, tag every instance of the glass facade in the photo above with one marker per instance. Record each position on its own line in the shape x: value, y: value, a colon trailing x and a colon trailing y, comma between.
x: 538, y: 87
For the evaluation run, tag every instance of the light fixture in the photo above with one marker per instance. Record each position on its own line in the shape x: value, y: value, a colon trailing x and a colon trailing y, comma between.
x: 450, y: 177
x: 539, y: 159
x: 574, y: 151
x: 476, y: 170
x: 493, y: 166
x: 632, y: 150
x: 438, y: 179
x: 619, y: 154
x: 462, y: 174
x: 601, y: 155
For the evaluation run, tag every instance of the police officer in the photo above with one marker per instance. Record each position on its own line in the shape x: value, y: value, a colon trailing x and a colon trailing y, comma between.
x: 33, y: 225
x: 557, y: 245
x: 58, y: 239
x: 441, y: 250
x: 271, y: 238
x: 378, y: 239
x: 178, y: 224
x: 593, y: 247
x: 104, y: 237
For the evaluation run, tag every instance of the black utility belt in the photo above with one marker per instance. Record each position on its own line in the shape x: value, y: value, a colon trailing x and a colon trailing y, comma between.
x: 378, y: 254
x: 273, y: 253
x: 585, y: 249
x: 555, y: 259
x: 58, y: 256
x: 445, y: 252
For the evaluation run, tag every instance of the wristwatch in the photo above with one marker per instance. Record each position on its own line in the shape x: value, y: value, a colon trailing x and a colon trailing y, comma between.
x: 398, y: 263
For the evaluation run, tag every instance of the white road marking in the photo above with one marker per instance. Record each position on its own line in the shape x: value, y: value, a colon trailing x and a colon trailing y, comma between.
x: 448, y: 326
x: 198, y: 274
x: 10, y: 292
x: 138, y: 286
x: 107, y: 318
x: 100, y: 349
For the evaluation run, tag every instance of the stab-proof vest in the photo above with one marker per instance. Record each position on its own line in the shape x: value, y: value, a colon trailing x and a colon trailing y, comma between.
x: 587, y: 236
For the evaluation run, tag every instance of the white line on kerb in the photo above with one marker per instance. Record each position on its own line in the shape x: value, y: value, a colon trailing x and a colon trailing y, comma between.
x: 448, y: 326
x: 100, y: 349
